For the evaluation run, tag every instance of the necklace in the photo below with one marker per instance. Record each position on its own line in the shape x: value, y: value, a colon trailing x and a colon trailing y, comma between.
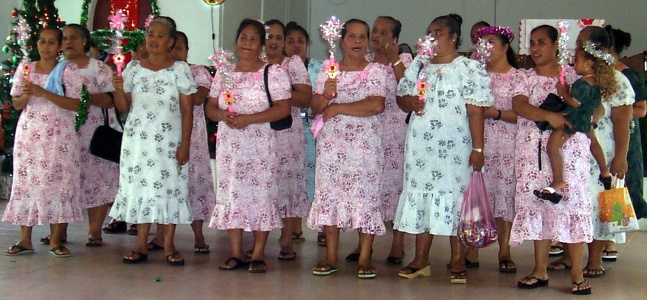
x: 587, y: 76
x: 440, y: 69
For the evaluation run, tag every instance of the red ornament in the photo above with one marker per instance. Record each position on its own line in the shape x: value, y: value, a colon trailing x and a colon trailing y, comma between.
x: 6, y: 105
x: 14, y: 14
x: 6, y: 115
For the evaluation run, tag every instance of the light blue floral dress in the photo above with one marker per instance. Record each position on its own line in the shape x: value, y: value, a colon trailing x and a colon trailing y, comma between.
x: 152, y: 189
x: 438, y: 145
x: 313, y: 69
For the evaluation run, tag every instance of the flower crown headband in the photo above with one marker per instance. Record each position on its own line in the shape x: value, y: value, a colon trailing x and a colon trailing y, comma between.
x: 590, y: 48
x: 504, y: 31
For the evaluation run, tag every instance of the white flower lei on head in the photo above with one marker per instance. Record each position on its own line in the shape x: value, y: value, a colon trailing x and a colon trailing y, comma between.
x: 590, y: 48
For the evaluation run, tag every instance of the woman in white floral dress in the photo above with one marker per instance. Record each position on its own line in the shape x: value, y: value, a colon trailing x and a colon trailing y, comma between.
x: 46, y: 184
x: 201, y: 192
x: 246, y: 160
x: 445, y: 138
x: 153, y: 181
x: 349, y: 154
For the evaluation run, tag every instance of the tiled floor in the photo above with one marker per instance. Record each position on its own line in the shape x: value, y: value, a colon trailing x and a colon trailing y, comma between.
x: 97, y: 273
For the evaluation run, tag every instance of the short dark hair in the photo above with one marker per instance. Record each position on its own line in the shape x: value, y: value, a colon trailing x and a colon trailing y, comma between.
x: 276, y: 22
x: 260, y: 28
x: 452, y: 22
x: 550, y: 30
x: 59, y: 33
x: 344, y: 29
x: 481, y: 24
x: 182, y: 35
x: 84, y: 32
x: 293, y: 26
x: 598, y: 36
x: 396, y: 26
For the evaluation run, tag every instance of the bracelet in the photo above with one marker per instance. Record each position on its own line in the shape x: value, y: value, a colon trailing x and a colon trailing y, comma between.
x: 498, y: 117
x: 325, y: 97
x: 479, y: 150
x: 397, y: 63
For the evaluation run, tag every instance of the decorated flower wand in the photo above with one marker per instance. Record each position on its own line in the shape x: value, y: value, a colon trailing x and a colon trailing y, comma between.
x: 117, y: 25
x: 562, y: 51
x: 331, y: 32
x: 426, y: 50
x: 222, y: 62
x: 481, y: 51
x: 22, y: 30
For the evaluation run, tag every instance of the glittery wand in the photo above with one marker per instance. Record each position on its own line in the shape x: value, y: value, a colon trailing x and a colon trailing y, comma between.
x: 331, y: 32
x: 117, y: 25
x: 562, y: 49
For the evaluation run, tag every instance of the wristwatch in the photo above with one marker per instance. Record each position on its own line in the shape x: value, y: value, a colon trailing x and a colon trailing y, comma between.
x: 479, y: 150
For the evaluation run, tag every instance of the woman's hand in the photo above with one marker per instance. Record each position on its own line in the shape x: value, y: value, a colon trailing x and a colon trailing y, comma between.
x: 237, y: 121
x: 477, y: 160
x: 329, y: 112
x: 182, y: 154
x: 417, y: 106
x: 31, y: 89
x: 117, y: 82
x: 563, y: 90
x: 619, y: 167
x: 557, y: 120
x: 330, y: 89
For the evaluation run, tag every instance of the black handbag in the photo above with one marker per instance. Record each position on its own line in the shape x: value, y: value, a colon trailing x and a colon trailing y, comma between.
x: 281, y: 124
x: 106, y: 141
x: 552, y: 103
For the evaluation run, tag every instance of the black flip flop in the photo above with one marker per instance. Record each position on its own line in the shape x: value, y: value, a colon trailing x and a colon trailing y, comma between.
x: 551, y: 196
x: 238, y: 264
x: 254, y: 264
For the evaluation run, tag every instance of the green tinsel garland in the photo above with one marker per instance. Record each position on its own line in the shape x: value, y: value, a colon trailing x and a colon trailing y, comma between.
x: 82, y: 111
x: 101, y: 38
x: 84, y: 13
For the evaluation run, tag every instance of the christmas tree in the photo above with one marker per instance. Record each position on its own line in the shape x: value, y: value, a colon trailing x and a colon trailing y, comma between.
x: 36, y: 14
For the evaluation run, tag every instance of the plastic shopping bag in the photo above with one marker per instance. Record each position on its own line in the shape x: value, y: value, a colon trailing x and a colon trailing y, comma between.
x: 616, y: 211
x: 477, y: 228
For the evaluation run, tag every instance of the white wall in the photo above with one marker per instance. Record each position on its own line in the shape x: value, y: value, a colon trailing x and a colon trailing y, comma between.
x: 415, y: 15
x: 193, y: 17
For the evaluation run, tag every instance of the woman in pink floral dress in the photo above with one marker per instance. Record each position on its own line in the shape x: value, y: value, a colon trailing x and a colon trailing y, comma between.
x: 99, y: 177
x: 384, y: 42
x: 246, y: 163
x: 46, y: 184
x: 291, y: 143
x: 500, y: 136
x: 538, y: 220
x: 349, y: 154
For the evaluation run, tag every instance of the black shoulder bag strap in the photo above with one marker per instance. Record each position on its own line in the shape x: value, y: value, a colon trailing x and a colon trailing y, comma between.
x: 267, y: 88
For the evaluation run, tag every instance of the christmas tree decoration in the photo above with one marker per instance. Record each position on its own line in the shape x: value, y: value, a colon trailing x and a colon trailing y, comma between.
x: 36, y: 15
